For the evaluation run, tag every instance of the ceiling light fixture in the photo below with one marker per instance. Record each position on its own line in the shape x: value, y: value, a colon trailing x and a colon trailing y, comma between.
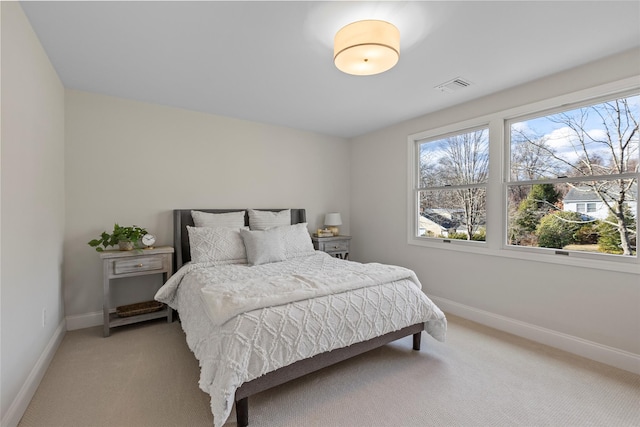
x: 366, y: 47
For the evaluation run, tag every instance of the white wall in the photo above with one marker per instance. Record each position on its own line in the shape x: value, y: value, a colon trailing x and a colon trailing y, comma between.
x: 132, y: 163
x: 32, y: 218
x: 582, y: 306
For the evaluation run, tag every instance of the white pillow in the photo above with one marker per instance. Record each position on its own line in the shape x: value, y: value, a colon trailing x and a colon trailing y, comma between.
x: 263, y: 246
x: 261, y: 220
x: 220, y: 245
x: 228, y: 219
x: 296, y: 240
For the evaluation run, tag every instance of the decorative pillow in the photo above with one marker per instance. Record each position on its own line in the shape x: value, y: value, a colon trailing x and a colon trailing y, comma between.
x: 296, y: 240
x: 263, y: 246
x: 229, y: 219
x: 261, y: 220
x: 219, y: 245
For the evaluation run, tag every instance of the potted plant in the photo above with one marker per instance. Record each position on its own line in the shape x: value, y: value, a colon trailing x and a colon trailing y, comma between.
x: 125, y: 237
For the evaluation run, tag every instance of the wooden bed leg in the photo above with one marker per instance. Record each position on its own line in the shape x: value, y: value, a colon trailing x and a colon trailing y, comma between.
x: 242, y: 412
x: 416, y: 341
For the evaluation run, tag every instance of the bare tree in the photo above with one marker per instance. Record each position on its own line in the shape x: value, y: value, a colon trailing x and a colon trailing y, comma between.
x: 462, y: 161
x: 531, y: 156
x: 611, y: 151
x: 531, y: 159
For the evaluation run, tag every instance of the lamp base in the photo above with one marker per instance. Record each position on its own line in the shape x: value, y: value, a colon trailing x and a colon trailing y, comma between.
x: 334, y: 230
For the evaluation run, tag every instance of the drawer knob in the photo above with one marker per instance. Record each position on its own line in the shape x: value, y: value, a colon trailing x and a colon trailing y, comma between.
x: 139, y: 265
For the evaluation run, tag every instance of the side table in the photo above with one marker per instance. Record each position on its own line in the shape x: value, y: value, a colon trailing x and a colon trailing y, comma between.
x: 337, y: 246
x: 117, y: 264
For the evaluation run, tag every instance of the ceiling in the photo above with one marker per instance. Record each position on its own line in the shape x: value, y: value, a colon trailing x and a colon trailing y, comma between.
x: 271, y: 62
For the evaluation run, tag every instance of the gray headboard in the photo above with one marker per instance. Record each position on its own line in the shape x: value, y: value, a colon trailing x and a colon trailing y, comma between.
x: 182, y: 218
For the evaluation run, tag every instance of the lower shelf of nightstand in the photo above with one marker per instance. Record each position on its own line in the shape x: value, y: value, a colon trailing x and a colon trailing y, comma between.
x: 339, y: 254
x: 115, y: 321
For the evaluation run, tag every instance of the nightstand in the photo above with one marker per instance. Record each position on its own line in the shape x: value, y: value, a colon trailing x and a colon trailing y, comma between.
x: 337, y: 246
x: 118, y: 264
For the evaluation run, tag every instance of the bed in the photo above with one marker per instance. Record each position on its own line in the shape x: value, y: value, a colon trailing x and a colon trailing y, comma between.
x: 257, y: 322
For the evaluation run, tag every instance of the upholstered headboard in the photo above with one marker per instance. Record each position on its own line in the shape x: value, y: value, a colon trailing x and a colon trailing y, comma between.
x: 182, y: 218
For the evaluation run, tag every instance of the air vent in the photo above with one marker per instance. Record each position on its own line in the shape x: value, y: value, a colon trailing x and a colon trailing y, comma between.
x: 453, y: 85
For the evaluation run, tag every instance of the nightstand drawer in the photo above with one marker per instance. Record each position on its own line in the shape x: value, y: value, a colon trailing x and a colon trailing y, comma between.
x: 139, y: 264
x: 336, y: 246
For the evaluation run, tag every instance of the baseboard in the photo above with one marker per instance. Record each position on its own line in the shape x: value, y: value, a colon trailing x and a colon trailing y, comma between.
x: 601, y: 353
x: 19, y: 405
x: 86, y: 320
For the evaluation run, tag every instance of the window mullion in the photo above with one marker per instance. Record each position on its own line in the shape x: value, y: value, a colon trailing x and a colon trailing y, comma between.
x: 571, y: 179
x: 496, y: 216
x: 452, y: 187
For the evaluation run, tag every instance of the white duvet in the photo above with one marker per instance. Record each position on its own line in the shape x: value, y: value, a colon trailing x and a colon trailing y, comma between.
x: 242, y: 322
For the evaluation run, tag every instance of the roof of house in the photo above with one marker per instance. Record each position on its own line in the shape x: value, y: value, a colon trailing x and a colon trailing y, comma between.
x: 581, y: 194
x: 444, y: 221
x: 587, y: 194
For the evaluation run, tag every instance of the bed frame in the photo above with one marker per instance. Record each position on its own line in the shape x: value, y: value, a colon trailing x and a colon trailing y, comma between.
x: 182, y: 218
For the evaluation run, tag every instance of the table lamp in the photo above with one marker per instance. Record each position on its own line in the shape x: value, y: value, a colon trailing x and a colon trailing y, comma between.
x: 331, y: 221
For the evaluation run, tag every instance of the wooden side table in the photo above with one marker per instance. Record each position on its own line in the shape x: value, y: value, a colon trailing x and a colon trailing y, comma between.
x: 337, y: 246
x: 118, y: 264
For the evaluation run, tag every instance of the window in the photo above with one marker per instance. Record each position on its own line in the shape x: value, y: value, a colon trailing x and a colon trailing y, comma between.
x: 562, y: 186
x: 450, y: 191
x: 573, y: 178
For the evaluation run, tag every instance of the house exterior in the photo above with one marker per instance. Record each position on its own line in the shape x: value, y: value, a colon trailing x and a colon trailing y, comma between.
x: 585, y: 201
x: 441, y: 222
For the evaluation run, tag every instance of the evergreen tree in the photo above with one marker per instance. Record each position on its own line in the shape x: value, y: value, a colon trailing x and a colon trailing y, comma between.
x: 609, y: 240
x: 539, y: 202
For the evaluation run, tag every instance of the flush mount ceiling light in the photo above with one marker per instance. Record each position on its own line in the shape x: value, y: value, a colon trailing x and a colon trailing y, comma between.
x: 366, y: 47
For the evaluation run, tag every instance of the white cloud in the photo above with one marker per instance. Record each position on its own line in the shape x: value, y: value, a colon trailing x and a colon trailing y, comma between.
x: 568, y: 146
x: 521, y: 127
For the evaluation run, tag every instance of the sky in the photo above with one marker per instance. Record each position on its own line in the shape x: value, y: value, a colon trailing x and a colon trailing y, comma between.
x: 563, y: 140
x: 560, y: 138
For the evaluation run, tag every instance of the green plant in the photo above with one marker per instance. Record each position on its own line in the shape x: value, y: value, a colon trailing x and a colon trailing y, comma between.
x: 587, y: 234
x: 120, y: 234
x: 558, y: 229
x: 609, y: 239
x: 481, y: 235
x: 457, y: 236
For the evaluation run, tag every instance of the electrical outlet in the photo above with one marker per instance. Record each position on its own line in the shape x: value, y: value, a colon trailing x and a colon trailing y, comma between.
x: 44, y: 317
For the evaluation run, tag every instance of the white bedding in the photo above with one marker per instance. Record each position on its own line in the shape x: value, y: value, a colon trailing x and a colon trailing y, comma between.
x: 286, y: 330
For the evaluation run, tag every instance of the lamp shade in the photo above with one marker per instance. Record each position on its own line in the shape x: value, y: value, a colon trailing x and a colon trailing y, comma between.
x: 366, y: 47
x: 332, y: 219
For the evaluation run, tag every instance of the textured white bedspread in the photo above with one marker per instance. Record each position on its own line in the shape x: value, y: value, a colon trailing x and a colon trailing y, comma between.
x: 261, y: 340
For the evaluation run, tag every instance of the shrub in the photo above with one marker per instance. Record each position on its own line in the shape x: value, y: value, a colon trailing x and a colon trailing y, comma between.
x: 558, y: 229
x: 457, y: 236
x: 480, y: 236
x: 588, y: 234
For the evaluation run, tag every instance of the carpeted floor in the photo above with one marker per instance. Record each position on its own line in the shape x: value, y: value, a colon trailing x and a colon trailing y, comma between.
x: 145, y: 375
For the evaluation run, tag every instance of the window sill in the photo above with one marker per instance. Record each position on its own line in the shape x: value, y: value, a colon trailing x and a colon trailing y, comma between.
x: 621, y: 265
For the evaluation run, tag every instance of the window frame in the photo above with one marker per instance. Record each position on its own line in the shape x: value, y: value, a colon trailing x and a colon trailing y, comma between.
x: 447, y: 187
x: 499, y: 161
x: 585, y: 102
x: 414, y: 187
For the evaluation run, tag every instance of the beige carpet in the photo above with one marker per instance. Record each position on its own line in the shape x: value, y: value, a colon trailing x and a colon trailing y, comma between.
x: 144, y: 375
